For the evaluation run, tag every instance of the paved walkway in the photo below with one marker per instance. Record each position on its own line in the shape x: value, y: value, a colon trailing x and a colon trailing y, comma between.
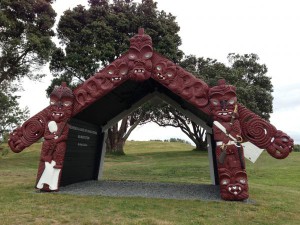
x: 144, y: 189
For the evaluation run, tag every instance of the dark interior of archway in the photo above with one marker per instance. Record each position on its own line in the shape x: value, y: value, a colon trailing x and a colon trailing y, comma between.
x: 82, y: 158
x: 127, y: 94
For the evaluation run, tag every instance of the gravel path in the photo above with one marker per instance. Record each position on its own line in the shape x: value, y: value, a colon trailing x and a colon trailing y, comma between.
x: 144, y: 189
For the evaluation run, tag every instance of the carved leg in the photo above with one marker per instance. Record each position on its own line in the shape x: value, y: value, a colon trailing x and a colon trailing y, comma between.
x: 59, y: 155
x: 44, y: 157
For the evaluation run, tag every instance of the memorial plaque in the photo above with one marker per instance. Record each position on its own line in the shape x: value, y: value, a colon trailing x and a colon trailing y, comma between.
x: 83, y: 152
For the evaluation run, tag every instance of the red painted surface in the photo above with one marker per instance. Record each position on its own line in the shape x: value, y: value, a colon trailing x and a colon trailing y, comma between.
x: 230, y: 157
x: 141, y: 63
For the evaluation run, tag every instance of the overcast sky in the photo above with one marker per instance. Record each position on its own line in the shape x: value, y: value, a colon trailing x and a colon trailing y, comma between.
x: 215, y: 28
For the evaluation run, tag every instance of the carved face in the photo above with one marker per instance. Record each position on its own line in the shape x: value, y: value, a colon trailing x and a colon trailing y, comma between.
x: 165, y: 72
x: 139, y: 63
x: 281, y: 145
x: 117, y: 71
x: 233, y: 185
x: 61, y: 103
x: 139, y: 56
x: 222, y: 101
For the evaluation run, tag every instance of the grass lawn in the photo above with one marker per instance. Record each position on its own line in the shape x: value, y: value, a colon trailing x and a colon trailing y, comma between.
x: 274, y: 186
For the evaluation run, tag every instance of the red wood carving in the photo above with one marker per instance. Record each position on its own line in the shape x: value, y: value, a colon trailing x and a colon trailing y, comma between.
x: 55, y: 136
x: 30, y: 132
x: 264, y: 135
x: 228, y: 137
x: 233, y: 123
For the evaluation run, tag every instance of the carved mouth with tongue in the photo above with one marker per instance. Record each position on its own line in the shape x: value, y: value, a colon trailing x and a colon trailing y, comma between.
x: 57, y: 116
x: 235, y: 189
x: 224, y: 114
x: 139, y: 73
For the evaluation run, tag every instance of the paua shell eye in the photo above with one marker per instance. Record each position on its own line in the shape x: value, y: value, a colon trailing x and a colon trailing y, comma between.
x: 67, y: 103
x: 53, y: 100
x: 147, y: 52
x: 169, y: 74
x: 241, y: 178
x: 215, y: 102
x: 242, y: 181
x: 132, y: 56
x: 111, y: 69
x: 231, y: 101
x: 148, y: 55
x: 225, y: 181
x: 123, y: 69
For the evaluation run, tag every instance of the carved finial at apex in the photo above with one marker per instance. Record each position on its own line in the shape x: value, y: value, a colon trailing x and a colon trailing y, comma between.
x: 141, y: 31
x: 62, y: 91
x: 139, y: 55
x: 140, y: 40
x: 222, y: 88
x: 221, y: 82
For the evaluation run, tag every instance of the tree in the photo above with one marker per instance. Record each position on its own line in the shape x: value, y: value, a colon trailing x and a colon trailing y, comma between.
x: 119, y: 133
x: 253, y: 86
x: 25, y: 46
x: 102, y: 33
x: 10, y: 114
x: 254, y: 90
x: 165, y: 115
x: 25, y: 37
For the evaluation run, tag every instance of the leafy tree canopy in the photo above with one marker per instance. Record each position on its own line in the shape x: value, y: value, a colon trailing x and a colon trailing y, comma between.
x: 25, y: 46
x: 25, y: 37
x: 11, y: 115
x: 94, y: 37
x: 254, y: 87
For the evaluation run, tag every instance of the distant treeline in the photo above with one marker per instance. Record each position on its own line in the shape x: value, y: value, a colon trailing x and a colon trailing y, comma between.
x: 172, y: 140
x: 297, y: 148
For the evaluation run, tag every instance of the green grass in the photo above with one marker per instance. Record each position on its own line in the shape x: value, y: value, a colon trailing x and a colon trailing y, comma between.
x: 158, y: 162
x: 274, y: 186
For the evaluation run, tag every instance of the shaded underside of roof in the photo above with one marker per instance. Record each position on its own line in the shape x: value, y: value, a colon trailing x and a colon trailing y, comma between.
x: 126, y: 96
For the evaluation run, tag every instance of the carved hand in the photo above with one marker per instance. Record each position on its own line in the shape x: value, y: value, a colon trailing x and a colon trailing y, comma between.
x: 281, y: 145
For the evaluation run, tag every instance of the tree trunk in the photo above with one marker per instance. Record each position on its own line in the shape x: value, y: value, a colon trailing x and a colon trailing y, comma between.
x: 117, y: 148
x: 115, y: 142
x: 196, y: 134
x: 117, y: 136
x: 200, y: 146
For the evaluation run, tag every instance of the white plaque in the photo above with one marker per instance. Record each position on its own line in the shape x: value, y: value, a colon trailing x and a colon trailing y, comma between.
x: 251, y: 151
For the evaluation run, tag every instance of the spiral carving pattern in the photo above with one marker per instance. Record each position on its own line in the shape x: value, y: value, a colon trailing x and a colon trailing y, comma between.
x: 255, y: 129
x: 33, y: 129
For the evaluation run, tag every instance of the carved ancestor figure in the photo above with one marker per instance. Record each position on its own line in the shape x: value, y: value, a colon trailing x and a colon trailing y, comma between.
x: 227, y: 134
x: 230, y: 128
x: 55, y: 136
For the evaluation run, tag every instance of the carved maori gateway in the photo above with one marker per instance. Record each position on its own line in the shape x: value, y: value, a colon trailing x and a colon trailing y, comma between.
x: 74, y: 124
